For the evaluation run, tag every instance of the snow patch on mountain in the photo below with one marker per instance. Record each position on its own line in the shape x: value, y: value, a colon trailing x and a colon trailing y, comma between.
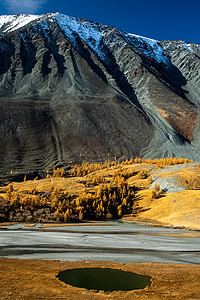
x: 149, y: 47
x: 88, y: 31
x: 14, y: 22
x: 182, y: 45
x: 187, y: 46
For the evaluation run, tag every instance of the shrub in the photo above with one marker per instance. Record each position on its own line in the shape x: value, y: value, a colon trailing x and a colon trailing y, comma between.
x: 156, y: 192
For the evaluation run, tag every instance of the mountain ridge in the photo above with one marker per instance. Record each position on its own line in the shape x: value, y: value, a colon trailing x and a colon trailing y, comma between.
x: 75, y: 86
x: 85, y: 28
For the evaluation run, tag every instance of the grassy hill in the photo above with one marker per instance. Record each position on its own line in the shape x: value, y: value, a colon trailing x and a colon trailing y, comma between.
x: 132, y: 190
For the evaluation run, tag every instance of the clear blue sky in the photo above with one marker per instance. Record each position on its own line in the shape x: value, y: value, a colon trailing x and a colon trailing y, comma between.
x: 169, y: 19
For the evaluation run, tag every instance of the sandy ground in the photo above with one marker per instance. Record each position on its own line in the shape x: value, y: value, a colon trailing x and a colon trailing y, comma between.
x: 36, y: 279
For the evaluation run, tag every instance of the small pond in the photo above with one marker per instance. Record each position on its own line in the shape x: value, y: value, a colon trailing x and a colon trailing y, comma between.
x: 107, y: 280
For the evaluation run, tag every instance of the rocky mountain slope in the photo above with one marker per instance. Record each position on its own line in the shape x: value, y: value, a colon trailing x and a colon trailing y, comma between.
x: 71, y: 86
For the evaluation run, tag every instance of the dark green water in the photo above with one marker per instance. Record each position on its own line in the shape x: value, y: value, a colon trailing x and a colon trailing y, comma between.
x: 104, y: 279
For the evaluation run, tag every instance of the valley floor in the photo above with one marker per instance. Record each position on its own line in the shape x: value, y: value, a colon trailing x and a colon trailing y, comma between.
x: 36, y: 279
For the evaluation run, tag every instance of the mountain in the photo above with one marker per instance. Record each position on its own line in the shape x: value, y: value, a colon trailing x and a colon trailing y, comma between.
x: 71, y: 88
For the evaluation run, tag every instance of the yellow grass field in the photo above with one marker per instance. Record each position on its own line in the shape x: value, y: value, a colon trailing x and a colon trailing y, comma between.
x: 36, y: 279
x: 178, y: 209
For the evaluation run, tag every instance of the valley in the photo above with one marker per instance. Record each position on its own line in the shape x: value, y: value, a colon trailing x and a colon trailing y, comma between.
x: 99, y: 159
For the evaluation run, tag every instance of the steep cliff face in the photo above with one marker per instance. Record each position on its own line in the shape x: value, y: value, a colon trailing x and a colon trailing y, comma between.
x: 71, y: 86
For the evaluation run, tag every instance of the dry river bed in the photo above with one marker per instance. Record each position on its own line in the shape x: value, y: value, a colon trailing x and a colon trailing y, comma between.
x: 32, y: 256
x: 112, y: 241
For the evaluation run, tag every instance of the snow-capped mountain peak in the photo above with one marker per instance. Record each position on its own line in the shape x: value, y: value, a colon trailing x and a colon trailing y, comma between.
x: 14, y: 22
x: 87, y: 30
x: 92, y: 33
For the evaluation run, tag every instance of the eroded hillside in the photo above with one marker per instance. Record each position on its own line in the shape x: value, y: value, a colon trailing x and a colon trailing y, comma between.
x: 71, y: 86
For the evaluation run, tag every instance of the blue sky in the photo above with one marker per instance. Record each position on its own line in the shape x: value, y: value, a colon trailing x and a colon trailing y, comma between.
x: 155, y: 19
